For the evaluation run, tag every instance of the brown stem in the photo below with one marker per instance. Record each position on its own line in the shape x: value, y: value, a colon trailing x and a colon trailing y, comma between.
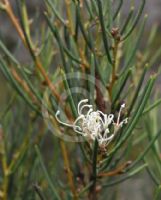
x: 99, y: 95
x: 115, y: 172
x: 113, y: 78
x: 69, y: 16
x: 23, y: 84
x: 13, y: 19
x: 38, y: 64
x: 69, y: 172
x: 4, y: 190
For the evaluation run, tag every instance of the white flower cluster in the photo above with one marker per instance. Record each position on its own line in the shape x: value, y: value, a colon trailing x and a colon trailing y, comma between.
x: 94, y: 125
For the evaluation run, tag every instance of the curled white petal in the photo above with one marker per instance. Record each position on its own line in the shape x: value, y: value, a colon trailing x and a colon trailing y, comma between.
x: 81, y: 117
x: 123, y: 122
x: 109, y: 120
x: 123, y: 105
x: 106, y: 141
x: 119, y: 115
x: 63, y: 123
x: 90, y: 110
x: 79, y: 104
x: 84, y: 106
x: 78, y: 129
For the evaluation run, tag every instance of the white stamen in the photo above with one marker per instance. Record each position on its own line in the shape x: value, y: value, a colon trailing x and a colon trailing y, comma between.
x: 123, y: 105
x: 85, y: 106
x: 95, y: 124
x: 119, y: 115
x: 76, y: 121
x: 79, y: 104
x: 123, y: 122
x: 90, y: 110
x: 65, y: 124
x: 109, y: 120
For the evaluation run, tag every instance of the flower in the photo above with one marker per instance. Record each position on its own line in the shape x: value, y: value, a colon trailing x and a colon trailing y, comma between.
x: 95, y: 125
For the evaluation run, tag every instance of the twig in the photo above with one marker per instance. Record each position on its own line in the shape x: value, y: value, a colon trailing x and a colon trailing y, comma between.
x: 15, y: 22
x: 69, y: 172
x: 69, y: 15
x: 4, y: 193
x: 115, y: 172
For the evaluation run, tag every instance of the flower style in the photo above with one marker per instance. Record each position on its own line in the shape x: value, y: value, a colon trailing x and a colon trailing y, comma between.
x: 95, y: 125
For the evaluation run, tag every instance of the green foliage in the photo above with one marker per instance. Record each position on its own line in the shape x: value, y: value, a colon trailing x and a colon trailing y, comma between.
x: 81, y: 50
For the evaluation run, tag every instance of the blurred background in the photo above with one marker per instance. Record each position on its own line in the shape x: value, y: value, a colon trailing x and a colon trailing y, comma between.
x: 35, y: 10
x: 140, y: 188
